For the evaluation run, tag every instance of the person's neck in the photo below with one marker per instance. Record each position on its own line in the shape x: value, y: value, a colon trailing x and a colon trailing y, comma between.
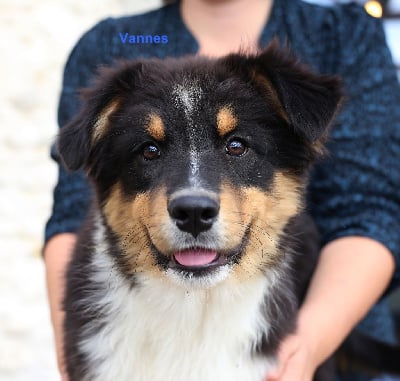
x: 224, y: 26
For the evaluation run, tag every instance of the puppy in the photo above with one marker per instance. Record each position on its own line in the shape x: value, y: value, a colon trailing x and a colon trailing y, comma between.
x: 196, y: 253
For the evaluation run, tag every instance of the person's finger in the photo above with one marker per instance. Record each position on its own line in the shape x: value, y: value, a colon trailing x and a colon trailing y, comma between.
x: 280, y: 368
x: 274, y: 375
x: 286, y: 352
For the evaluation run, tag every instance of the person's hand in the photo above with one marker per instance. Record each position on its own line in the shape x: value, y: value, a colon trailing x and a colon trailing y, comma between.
x: 295, y: 361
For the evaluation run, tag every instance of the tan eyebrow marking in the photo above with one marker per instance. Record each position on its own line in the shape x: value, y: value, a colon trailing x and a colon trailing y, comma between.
x: 102, y: 122
x: 155, y: 127
x: 226, y: 120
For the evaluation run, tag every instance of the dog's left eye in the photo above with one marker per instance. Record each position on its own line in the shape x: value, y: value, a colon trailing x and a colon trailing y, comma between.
x: 151, y: 152
x: 236, y: 148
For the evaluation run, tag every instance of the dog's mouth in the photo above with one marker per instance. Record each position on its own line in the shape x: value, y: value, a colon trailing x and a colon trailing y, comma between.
x: 199, y: 260
x: 196, y: 257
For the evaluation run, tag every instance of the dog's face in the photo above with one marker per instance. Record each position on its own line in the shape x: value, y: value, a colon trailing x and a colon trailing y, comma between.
x: 199, y: 164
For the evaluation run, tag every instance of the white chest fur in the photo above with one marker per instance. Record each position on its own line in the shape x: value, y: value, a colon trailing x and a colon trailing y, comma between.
x: 158, y: 331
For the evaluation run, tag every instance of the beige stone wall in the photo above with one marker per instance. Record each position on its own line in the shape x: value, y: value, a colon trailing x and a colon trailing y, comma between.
x: 35, y: 39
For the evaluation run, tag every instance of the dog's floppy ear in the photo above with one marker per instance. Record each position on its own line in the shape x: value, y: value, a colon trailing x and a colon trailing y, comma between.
x: 306, y: 100
x: 77, y: 139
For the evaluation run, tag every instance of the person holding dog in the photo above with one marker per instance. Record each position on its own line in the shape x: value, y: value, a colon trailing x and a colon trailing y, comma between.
x: 353, y: 198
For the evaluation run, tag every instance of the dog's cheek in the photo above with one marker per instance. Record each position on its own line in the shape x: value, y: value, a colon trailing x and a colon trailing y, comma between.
x: 125, y: 216
x: 159, y: 225
x: 270, y: 212
x: 233, y: 218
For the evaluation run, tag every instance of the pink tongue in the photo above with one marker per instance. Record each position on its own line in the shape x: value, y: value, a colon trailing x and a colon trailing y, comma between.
x: 195, y: 257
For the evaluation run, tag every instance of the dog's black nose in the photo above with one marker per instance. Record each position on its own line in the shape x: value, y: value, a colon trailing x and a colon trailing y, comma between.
x: 193, y: 214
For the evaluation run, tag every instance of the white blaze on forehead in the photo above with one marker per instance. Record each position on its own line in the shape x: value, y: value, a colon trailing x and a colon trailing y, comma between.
x: 187, y: 96
x: 194, y: 167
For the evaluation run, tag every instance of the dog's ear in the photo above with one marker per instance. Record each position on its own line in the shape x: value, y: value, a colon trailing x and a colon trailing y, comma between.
x: 77, y: 139
x: 306, y: 100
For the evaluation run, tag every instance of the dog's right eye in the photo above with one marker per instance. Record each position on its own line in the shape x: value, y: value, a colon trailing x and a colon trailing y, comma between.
x: 151, y: 152
x: 236, y: 148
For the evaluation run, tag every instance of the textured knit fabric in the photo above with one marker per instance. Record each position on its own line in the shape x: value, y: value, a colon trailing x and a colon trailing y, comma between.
x: 355, y: 191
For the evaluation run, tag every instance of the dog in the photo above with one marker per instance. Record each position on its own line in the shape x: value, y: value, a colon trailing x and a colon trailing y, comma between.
x: 197, y: 251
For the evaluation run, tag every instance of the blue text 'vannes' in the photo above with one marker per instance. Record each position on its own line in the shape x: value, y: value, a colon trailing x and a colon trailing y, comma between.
x: 127, y: 38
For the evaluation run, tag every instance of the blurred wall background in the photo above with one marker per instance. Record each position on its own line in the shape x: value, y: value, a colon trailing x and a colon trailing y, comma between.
x: 36, y: 37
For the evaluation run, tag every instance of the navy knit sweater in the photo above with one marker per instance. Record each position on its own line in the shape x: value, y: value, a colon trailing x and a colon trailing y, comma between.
x: 355, y: 191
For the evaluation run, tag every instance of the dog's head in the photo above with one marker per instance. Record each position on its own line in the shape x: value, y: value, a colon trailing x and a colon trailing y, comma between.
x: 199, y: 164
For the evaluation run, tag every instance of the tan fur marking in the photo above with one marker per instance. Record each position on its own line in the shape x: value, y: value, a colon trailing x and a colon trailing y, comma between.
x: 156, y: 127
x: 233, y: 217
x: 266, y: 214
x: 226, y: 121
x: 102, y: 122
x: 158, y: 221
x: 129, y: 219
x: 270, y: 94
x: 319, y: 146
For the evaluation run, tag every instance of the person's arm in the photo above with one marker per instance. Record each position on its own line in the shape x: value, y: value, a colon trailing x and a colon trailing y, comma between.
x: 351, y: 275
x: 57, y: 255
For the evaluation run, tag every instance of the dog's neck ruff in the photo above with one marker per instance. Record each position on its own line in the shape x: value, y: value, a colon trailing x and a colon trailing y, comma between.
x: 148, y: 326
